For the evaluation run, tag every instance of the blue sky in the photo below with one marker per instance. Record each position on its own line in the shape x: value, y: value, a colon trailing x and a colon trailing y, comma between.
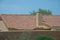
x: 26, y: 6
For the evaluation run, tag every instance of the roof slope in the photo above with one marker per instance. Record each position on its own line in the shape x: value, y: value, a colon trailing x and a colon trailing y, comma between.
x: 19, y: 21
x: 28, y: 21
x: 52, y: 20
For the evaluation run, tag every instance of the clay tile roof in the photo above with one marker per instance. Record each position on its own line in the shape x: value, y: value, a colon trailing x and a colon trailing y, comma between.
x: 19, y: 21
x: 52, y: 20
x: 28, y: 21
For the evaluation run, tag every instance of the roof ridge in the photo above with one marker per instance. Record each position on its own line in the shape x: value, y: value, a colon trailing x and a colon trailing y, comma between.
x: 19, y: 14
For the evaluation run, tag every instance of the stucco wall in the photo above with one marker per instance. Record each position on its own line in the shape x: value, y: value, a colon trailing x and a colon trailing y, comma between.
x: 2, y: 26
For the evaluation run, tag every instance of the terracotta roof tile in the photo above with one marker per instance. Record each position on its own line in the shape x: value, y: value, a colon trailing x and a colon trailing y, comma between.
x: 19, y: 21
x: 28, y: 21
x: 52, y: 20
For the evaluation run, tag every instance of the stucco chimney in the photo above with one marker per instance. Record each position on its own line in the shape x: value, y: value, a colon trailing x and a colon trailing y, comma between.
x: 39, y: 18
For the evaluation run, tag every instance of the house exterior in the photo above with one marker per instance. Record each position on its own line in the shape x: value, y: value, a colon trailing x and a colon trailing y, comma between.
x: 29, y: 22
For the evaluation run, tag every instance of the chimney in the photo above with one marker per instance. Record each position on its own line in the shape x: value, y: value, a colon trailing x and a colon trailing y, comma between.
x: 39, y: 18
